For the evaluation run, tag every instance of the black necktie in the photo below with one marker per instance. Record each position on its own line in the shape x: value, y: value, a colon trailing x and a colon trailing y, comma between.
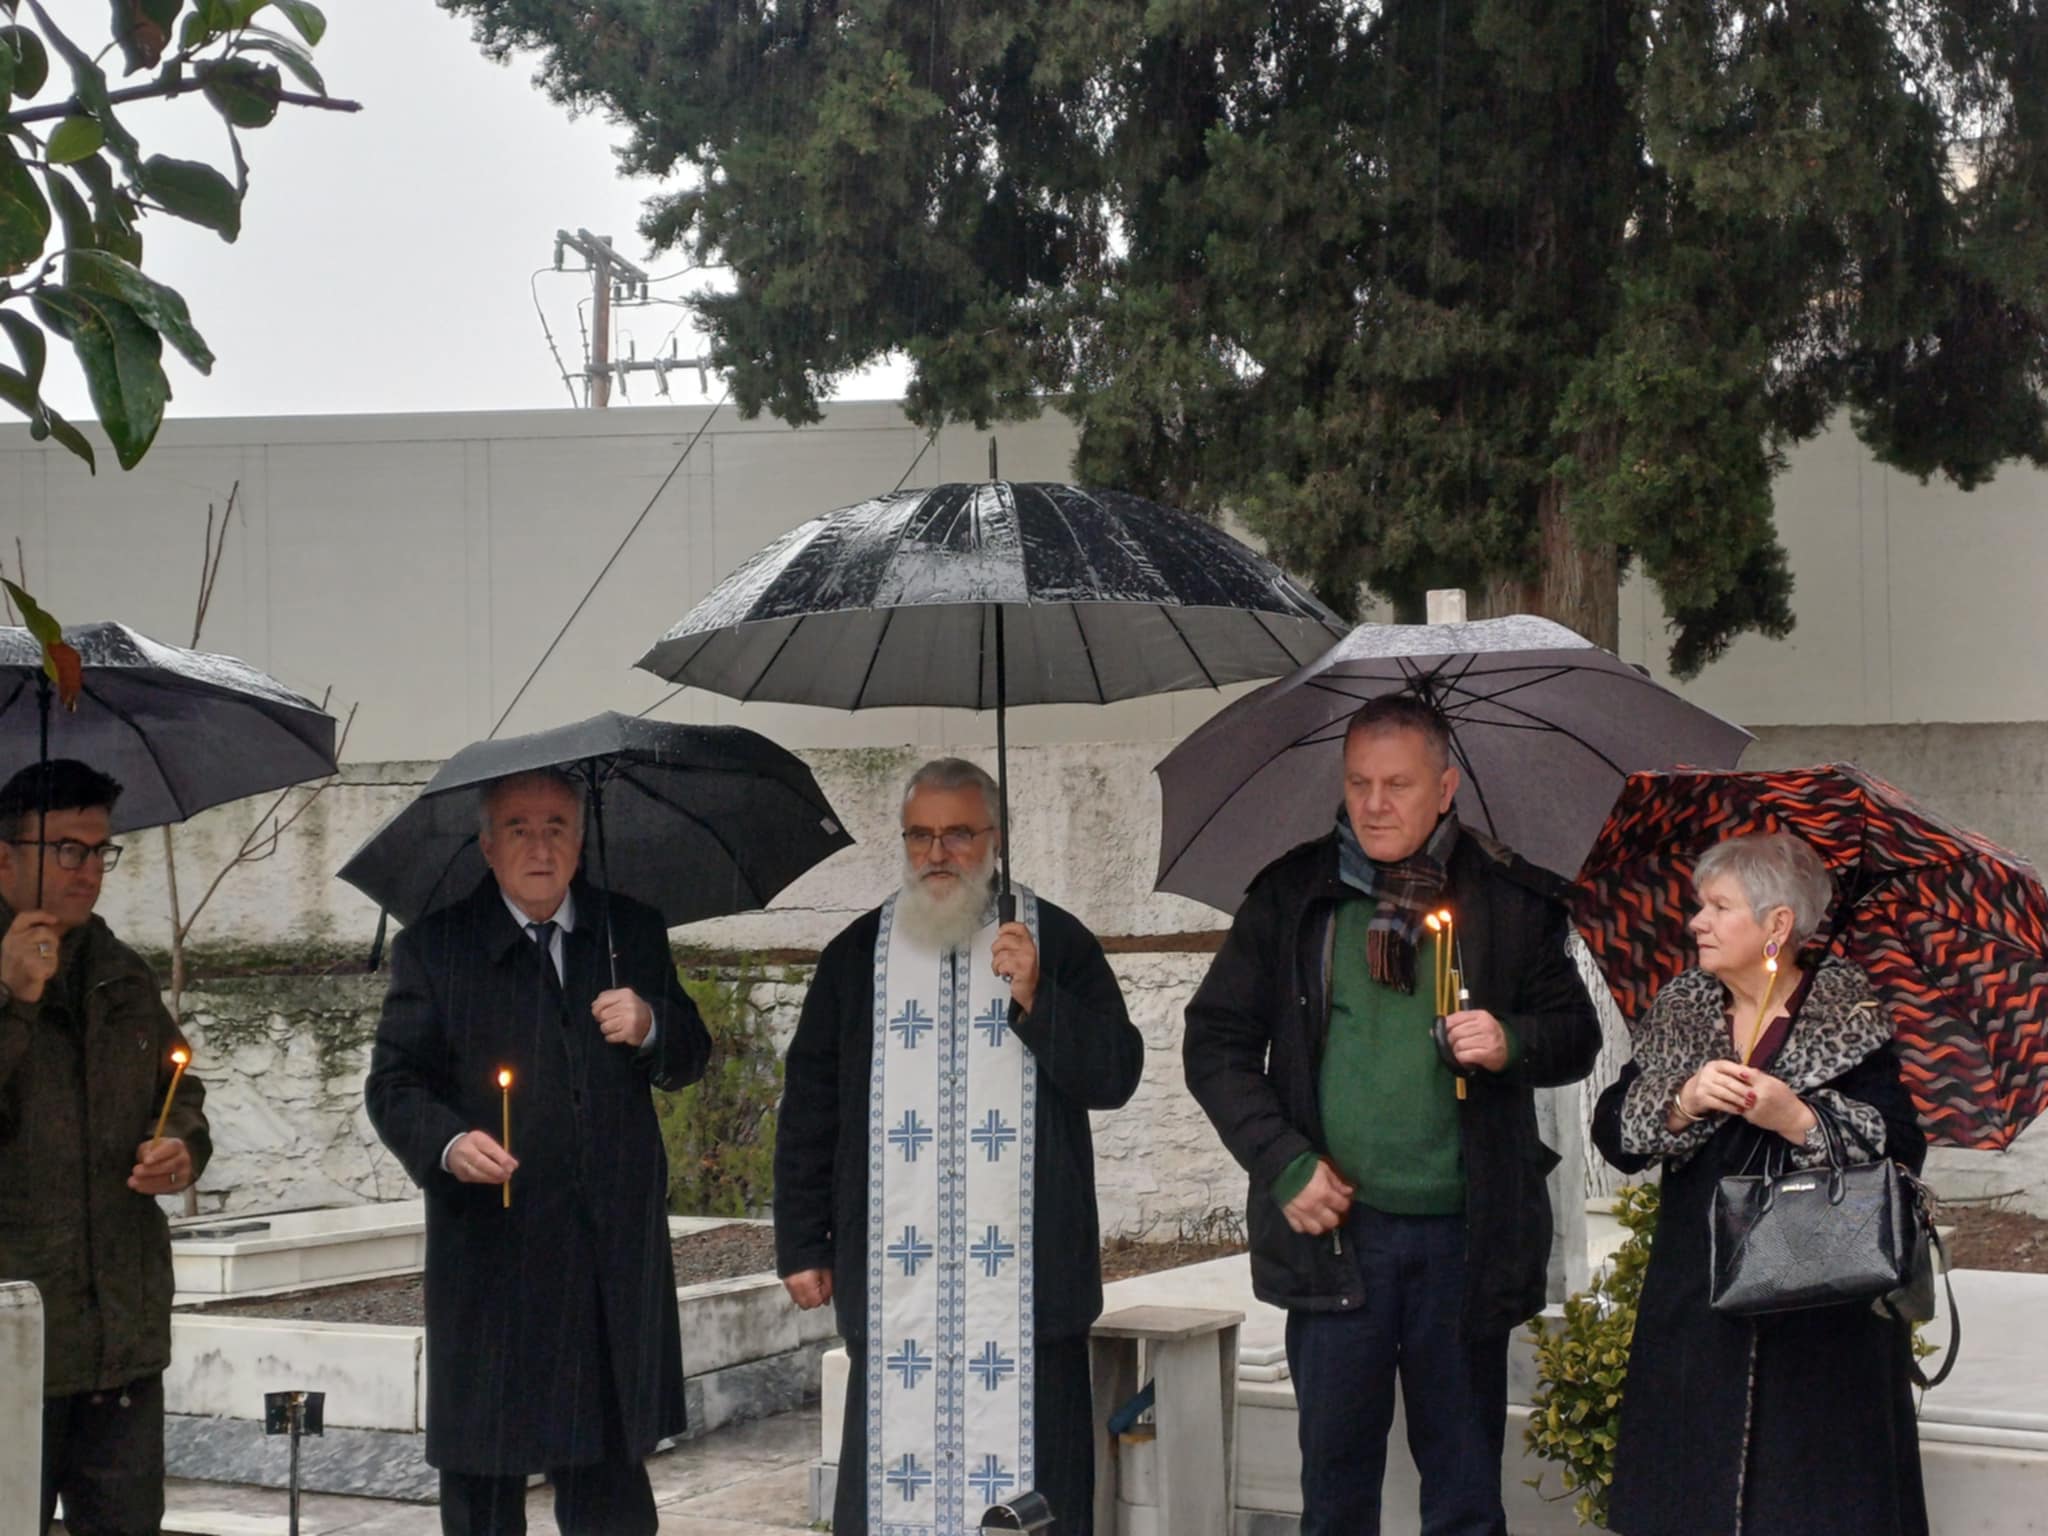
x: 543, y: 936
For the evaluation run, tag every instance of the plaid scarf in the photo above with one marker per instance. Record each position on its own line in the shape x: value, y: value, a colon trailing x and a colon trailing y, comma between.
x: 1406, y: 892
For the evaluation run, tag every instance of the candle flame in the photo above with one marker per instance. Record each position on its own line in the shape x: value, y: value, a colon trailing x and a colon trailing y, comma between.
x: 1435, y: 925
x: 504, y: 1078
x: 181, y: 1056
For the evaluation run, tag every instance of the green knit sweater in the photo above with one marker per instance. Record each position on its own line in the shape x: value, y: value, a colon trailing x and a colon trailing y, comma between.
x: 1390, y: 1106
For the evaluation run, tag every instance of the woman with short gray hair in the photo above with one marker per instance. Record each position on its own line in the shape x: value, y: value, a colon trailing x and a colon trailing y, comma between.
x: 1723, y: 1428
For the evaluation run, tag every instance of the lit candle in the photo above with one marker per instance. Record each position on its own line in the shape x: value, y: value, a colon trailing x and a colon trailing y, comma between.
x: 178, y: 1059
x: 505, y: 1098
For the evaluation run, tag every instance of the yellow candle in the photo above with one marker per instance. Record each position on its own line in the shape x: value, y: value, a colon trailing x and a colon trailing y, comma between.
x: 179, y: 1057
x: 505, y: 1095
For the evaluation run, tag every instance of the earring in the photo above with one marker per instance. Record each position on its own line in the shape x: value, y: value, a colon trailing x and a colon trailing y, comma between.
x: 1771, y: 950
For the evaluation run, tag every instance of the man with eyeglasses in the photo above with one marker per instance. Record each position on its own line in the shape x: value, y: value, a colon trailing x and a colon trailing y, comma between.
x: 935, y: 1178
x: 552, y: 1336
x: 85, y: 1059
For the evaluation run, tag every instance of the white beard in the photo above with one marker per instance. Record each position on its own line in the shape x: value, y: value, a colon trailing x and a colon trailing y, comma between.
x: 947, y: 914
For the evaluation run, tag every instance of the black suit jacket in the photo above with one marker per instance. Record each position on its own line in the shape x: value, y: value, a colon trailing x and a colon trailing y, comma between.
x: 527, y: 1304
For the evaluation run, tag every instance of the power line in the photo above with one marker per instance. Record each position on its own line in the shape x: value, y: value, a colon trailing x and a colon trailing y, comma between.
x: 584, y: 601
x: 533, y: 288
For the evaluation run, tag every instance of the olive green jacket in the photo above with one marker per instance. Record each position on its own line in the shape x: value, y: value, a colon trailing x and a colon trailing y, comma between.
x: 77, y: 1099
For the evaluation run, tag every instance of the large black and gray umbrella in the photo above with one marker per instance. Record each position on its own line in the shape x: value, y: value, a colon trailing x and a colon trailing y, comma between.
x: 1545, y: 727
x: 985, y: 595
x: 695, y: 820
x: 181, y: 730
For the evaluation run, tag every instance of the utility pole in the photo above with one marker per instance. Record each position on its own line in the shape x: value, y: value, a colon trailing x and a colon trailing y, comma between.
x: 608, y: 270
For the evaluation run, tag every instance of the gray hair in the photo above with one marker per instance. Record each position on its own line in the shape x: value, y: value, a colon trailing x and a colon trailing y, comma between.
x: 1404, y: 711
x: 532, y: 779
x: 950, y: 773
x: 1774, y: 870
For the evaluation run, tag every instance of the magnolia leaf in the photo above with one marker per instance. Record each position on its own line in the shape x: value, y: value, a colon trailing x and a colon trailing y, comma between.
x: 160, y: 307
x: 195, y: 192
x: 74, y: 139
x: 60, y: 662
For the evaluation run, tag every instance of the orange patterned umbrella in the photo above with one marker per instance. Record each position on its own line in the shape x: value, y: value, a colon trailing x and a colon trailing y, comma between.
x: 1951, y: 929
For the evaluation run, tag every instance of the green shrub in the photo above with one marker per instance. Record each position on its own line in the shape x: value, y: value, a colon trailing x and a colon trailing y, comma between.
x: 1582, y: 1363
x: 720, y: 1131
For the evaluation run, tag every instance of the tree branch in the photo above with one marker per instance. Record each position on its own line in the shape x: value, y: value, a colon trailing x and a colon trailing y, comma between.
x: 167, y: 89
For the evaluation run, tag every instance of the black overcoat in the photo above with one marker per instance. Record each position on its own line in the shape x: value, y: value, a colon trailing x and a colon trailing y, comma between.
x: 1256, y: 1031
x: 1089, y: 1056
x: 1802, y: 1421
x: 522, y: 1302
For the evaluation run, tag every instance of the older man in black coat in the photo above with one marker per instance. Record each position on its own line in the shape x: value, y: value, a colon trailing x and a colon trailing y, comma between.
x: 552, y: 1341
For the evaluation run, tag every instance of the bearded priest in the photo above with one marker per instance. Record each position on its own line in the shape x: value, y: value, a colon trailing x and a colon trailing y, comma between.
x: 935, y: 1178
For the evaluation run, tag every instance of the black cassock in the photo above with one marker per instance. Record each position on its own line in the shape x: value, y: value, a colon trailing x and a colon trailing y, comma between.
x: 523, y: 1303
x: 1089, y: 1056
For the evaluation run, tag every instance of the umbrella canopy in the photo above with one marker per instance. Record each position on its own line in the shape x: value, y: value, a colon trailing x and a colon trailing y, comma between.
x: 694, y: 820
x: 1087, y: 597
x: 1545, y: 725
x: 986, y: 595
x: 181, y: 730
x: 1952, y: 930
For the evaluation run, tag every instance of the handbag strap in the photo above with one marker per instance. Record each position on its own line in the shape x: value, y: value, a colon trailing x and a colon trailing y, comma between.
x: 1955, y: 1324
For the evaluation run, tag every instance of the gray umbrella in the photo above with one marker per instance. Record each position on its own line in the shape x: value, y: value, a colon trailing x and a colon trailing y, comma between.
x: 182, y: 730
x: 1545, y: 726
x: 990, y: 594
x: 695, y: 820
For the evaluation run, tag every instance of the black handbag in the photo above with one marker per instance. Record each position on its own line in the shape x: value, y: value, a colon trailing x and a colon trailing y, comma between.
x: 1913, y: 1302
x: 1783, y: 1239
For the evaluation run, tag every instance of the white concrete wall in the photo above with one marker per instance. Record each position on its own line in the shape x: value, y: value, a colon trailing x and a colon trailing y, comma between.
x: 21, y: 1406
x: 422, y: 565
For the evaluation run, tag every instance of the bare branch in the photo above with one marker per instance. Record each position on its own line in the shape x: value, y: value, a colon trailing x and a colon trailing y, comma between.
x: 211, y: 555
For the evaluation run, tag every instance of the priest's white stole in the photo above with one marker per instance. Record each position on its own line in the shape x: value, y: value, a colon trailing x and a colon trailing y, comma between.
x: 952, y: 1119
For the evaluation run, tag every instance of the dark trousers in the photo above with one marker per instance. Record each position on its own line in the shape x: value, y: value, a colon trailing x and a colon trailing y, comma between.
x: 1455, y: 1395
x: 103, y: 1454
x: 611, y: 1497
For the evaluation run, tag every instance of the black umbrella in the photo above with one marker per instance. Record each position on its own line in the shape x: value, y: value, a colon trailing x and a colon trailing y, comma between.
x: 707, y: 819
x: 182, y: 730
x: 1545, y: 726
x: 986, y: 595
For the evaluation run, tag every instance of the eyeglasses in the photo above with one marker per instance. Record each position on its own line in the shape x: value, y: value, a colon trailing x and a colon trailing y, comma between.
x: 71, y: 853
x: 917, y: 841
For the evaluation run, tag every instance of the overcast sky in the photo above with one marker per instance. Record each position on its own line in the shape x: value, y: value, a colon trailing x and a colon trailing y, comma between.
x: 385, y: 255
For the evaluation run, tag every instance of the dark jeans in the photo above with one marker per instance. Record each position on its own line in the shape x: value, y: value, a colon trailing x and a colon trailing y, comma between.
x: 103, y: 1454
x: 1344, y: 1366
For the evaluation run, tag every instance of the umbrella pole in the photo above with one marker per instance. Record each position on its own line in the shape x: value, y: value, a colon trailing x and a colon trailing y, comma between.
x: 604, y: 867
x: 1006, y: 903
x: 42, y: 775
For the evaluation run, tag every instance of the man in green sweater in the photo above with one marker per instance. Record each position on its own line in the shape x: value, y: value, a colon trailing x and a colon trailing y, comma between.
x: 1397, y: 1207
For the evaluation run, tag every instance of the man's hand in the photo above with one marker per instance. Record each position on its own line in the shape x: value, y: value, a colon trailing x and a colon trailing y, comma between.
x: 476, y: 1158
x: 809, y: 1288
x: 1477, y: 1040
x: 1322, y: 1204
x: 161, y: 1167
x: 1016, y: 959
x: 623, y: 1015
x: 28, y: 954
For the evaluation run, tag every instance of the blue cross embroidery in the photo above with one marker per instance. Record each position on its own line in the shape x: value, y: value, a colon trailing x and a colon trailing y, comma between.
x: 911, y: 1363
x: 911, y: 1137
x: 996, y: 1020
x: 910, y: 1250
x: 992, y: 1366
x: 992, y: 1136
x: 911, y: 1024
x: 991, y: 1253
x: 991, y: 1479
x: 911, y: 1478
